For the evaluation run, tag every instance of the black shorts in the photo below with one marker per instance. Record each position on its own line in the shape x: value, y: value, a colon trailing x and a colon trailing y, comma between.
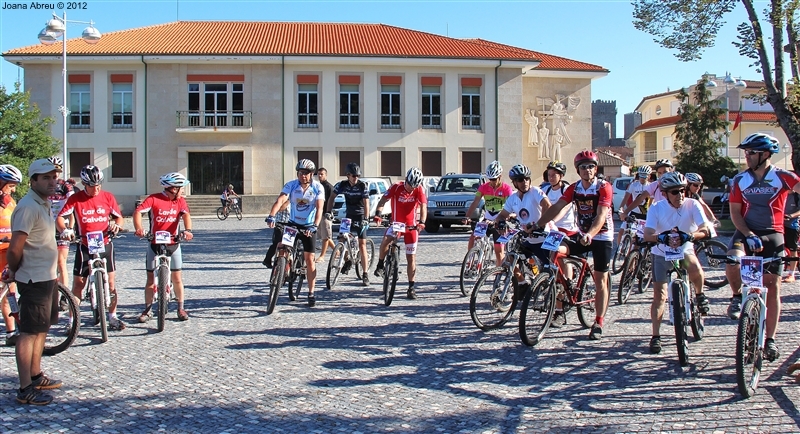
x: 309, y: 243
x: 773, y: 246
x: 537, y: 251
x: 790, y: 238
x: 359, y: 228
x: 38, y: 306
x: 82, y: 256
x: 601, y: 252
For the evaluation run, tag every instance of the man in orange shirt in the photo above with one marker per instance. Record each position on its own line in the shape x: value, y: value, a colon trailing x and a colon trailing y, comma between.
x: 10, y: 177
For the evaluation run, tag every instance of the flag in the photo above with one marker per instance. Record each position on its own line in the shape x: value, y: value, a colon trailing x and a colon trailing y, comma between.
x: 738, y: 118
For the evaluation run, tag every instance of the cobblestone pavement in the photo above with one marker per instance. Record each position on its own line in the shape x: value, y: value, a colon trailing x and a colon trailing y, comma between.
x: 352, y: 365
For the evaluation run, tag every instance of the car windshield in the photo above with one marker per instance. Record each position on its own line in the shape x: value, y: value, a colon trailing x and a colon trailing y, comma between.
x: 459, y: 184
x: 622, y: 184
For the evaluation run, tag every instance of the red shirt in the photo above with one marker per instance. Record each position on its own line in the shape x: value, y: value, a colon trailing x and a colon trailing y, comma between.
x: 92, y: 213
x: 404, y: 204
x: 587, y: 202
x: 164, y: 214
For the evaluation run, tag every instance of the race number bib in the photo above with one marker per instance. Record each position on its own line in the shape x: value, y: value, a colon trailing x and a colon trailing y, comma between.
x: 673, y: 253
x: 640, y: 227
x: 553, y: 240
x: 163, y: 237
x: 55, y: 207
x: 510, y: 234
x: 344, y: 227
x: 289, y: 235
x: 94, y: 240
x: 480, y: 229
x: 398, y: 228
x: 752, y: 270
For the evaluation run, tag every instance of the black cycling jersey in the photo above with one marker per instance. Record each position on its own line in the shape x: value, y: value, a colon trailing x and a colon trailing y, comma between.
x: 354, y: 196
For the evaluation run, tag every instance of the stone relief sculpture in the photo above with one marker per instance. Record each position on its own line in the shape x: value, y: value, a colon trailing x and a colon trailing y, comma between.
x: 544, y: 151
x: 555, y: 147
x: 533, y: 127
x: 558, y: 113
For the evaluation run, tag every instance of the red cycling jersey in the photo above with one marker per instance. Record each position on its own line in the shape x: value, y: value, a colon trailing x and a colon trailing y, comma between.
x: 404, y: 204
x: 92, y: 213
x: 763, y: 200
x: 164, y: 214
x: 587, y: 201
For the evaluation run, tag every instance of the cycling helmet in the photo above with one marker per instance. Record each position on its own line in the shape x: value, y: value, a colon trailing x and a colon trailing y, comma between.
x: 760, y: 142
x: 694, y: 178
x: 558, y: 167
x: 664, y: 162
x: 494, y: 170
x: 9, y: 173
x: 414, y: 177
x: 585, y: 157
x: 306, y: 164
x: 644, y: 171
x: 353, y: 169
x: 56, y: 161
x: 519, y: 171
x: 91, y: 176
x: 671, y: 180
x: 174, y: 179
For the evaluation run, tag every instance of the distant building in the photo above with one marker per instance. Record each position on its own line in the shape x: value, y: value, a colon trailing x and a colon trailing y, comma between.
x: 604, y: 122
x: 632, y: 120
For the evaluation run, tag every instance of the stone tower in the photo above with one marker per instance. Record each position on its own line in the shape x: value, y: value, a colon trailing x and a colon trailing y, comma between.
x: 604, y: 122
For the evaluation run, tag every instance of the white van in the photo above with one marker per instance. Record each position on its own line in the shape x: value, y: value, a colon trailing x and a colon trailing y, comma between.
x: 620, y: 186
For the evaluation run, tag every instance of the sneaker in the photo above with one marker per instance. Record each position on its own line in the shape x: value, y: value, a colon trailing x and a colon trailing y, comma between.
x: 702, y: 303
x: 378, y: 272
x: 183, y: 315
x: 771, y: 350
x: 346, y: 266
x: 520, y: 290
x: 11, y: 338
x: 655, y: 345
x: 365, y: 280
x: 559, y: 320
x: 266, y: 263
x: 736, y: 307
x: 45, y: 382
x: 597, y: 333
x: 31, y: 395
x: 116, y: 324
x: 312, y: 300
x: 145, y: 316
x: 411, y: 295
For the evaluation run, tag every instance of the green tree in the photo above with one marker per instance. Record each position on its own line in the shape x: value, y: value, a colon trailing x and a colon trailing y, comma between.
x: 24, y: 134
x: 691, y: 26
x: 697, y: 136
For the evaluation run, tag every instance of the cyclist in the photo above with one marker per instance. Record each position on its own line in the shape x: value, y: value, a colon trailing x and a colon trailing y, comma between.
x: 593, y: 199
x: 652, y: 191
x: 636, y: 187
x: 326, y: 225
x: 791, y: 230
x: 694, y: 190
x: 356, y: 200
x: 227, y: 197
x: 64, y: 189
x: 97, y: 213
x: 406, y: 197
x: 674, y: 224
x: 165, y: 211
x: 494, y: 194
x: 10, y: 177
x: 757, y: 201
x: 307, y: 198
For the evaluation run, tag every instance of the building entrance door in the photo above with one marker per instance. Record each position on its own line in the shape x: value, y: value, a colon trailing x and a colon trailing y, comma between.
x: 210, y: 172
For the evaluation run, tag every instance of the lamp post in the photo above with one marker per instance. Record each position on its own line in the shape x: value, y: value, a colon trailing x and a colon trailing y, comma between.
x: 729, y: 82
x: 786, y: 150
x: 57, y: 29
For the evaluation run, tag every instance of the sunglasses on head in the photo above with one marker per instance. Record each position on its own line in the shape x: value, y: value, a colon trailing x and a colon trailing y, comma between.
x: 587, y: 166
x: 677, y: 191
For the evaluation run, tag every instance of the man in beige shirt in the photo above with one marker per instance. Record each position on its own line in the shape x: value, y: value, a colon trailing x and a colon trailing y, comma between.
x: 32, y: 261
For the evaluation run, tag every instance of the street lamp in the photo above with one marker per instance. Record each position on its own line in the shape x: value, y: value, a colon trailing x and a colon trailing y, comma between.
x: 57, y: 29
x: 729, y: 82
x: 786, y: 150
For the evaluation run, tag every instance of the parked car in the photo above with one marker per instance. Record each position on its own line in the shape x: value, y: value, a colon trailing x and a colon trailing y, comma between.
x: 620, y: 186
x: 449, y: 201
x: 377, y: 186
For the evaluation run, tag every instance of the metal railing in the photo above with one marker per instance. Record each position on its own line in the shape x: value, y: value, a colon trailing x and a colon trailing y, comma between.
x: 215, y: 119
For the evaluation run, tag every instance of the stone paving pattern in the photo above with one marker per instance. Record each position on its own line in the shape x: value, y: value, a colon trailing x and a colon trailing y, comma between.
x: 353, y: 365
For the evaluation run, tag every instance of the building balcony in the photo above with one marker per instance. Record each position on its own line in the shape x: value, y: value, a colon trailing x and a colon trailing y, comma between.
x: 192, y: 121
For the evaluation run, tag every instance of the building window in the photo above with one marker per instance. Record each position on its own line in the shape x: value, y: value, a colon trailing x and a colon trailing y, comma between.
x: 346, y: 157
x: 78, y: 159
x: 216, y: 104
x: 390, y: 106
x: 471, y: 107
x: 307, y: 106
x: 122, y: 105
x: 237, y: 104
x: 121, y: 164
x: 392, y: 163
x: 471, y: 162
x: 348, y: 106
x: 309, y: 155
x: 431, y: 107
x: 79, y: 105
x: 432, y: 163
x: 210, y: 104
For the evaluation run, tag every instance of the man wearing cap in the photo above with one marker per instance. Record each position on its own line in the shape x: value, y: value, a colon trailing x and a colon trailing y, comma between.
x: 32, y: 261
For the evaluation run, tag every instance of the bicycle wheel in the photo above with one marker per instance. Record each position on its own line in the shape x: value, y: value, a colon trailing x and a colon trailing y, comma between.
x: 470, y: 269
x: 748, y: 355
x: 62, y: 334
x: 537, y: 310
x: 697, y: 322
x: 586, y: 297
x: 389, y: 277
x: 238, y: 212
x: 628, y: 277
x: 492, y: 301
x: 335, y: 265
x: 713, y: 269
x: 618, y: 261
x: 645, y: 271
x: 678, y: 288
x: 276, y: 279
x: 221, y: 213
x: 163, y: 297
x: 370, y: 254
x: 100, y: 299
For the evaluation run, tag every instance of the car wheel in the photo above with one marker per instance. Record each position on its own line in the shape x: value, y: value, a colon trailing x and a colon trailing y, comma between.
x: 431, y: 227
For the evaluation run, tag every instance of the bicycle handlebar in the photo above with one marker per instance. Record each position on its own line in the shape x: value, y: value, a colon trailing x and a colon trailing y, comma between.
x: 150, y: 237
x: 735, y: 260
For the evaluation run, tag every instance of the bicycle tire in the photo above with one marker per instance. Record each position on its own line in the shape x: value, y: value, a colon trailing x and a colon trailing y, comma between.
x: 238, y: 212
x: 298, y: 276
x: 163, y: 297
x: 748, y: 355
x: 334, y: 265
x: 537, y: 310
x: 697, y: 322
x: 492, y: 302
x: 713, y: 269
x: 389, y: 277
x: 618, y: 260
x: 628, y: 277
x: 645, y: 271
x: 276, y: 279
x: 221, y: 213
x: 470, y: 269
x: 677, y: 289
x: 586, y: 299
x: 100, y: 299
x: 61, y: 335
x: 370, y: 254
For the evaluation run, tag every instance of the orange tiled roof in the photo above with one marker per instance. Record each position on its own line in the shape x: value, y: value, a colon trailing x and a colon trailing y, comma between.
x: 746, y: 117
x: 284, y: 38
x: 659, y: 122
x: 548, y: 61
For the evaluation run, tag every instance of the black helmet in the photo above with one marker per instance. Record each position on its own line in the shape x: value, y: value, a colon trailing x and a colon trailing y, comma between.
x: 353, y: 169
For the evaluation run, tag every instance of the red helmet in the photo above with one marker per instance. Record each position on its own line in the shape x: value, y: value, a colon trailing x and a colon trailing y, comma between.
x: 585, y: 156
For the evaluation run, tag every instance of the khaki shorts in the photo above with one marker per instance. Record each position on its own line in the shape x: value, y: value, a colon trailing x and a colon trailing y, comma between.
x: 325, y: 229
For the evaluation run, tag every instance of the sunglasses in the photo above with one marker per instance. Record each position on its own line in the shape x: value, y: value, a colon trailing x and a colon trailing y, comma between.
x: 677, y: 191
x: 694, y: 185
x: 587, y: 166
x: 304, y: 172
x: 520, y: 179
x: 752, y: 152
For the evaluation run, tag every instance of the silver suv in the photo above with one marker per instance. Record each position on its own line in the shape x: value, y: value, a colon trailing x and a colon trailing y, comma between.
x: 449, y: 201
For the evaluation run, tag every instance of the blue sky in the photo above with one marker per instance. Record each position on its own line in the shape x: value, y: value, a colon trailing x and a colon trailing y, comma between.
x: 595, y: 31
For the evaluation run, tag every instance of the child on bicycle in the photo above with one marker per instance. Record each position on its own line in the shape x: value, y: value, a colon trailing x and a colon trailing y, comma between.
x: 227, y: 198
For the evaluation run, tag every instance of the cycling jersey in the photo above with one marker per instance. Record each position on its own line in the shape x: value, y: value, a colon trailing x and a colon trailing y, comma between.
x: 494, y: 198
x: 7, y: 206
x: 635, y: 189
x: 528, y: 209
x: 303, y: 203
x: 763, y: 201
x: 656, y: 195
x: 587, y: 201
x: 404, y: 204
x: 567, y: 222
x: 687, y: 218
x: 354, y: 196
x: 92, y: 213
x: 57, y: 201
x: 164, y: 214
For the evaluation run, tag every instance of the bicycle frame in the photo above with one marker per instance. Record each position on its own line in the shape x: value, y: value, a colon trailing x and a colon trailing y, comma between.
x: 560, y: 278
x: 513, y: 258
x: 687, y: 302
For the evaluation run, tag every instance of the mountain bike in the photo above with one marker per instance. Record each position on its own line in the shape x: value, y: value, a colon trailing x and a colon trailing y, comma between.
x: 96, y: 290
x: 638, y: 265
x: 480, y: 257
x: 683, y: 311
x: 233, y: 207
x: 391, y: 262
x: 347, y: 249
x: 289, y: 266
x: 162, y: 274
x: 713, y: 269
x: 634, y: 226
x: 552, y: 286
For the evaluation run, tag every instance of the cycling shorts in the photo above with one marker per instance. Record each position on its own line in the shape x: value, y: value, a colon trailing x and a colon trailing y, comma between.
x: 174, y: 253
x: 790, y: 237
x: 601, y: 252
x: 409, y: 238
x: 82, y: 256
x: 773, y: 246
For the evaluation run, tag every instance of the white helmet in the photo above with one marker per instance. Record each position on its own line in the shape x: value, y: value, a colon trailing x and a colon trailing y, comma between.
x: 174, y: 179
x: 644, y: 171
x: 414, y: 177
x: 306, y: 164
x: 91, y: 175
x: 494, y: 170
x: 9, y: 173
x: 672, y: 180
x: 56, y: 161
